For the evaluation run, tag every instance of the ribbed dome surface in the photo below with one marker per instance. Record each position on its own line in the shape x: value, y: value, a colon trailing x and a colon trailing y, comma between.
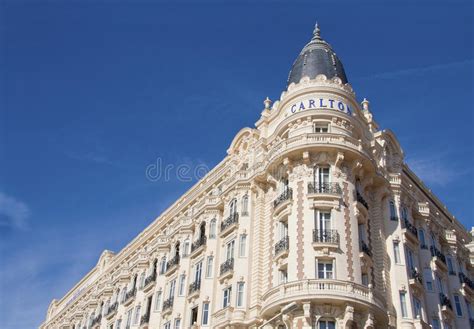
x: 317, y: 57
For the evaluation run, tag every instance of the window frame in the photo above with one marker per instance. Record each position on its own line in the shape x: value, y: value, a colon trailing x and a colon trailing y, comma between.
x: 205, y: 314
x: 240, y: 294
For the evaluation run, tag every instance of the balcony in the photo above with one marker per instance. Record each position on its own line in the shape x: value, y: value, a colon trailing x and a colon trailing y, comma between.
x: 467, y: 285
x: 324, y: 188
x: 144, y: 320
x: 325, y: 239
x: 130, y: 296
x: 282, y: 198
x: 361, y: 200
x: 149, y: 282
x: 416, y: 279
x: 198, y: 246
x: 282, y: 247
x: 365, y: 254
x: 410, y: 232
x: 194, y: 289
x: 446, y: 306
x: 226, y: 269
x: 96, y: 321
x: 172, y: 265
x: 111, y: 310
x: 365, y: 248
x: 321, y: 290
x: 168, y: 305
x: 229, y: 224
x: 439, y: 260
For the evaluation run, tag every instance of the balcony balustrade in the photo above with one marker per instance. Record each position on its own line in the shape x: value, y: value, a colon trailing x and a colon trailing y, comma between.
x: 145, y: 318
x: 286, y: 195
x: 411, y: 228
x: 111, y: 310
x: 362, y: 201
x: 444, y: 301
x: 438, y: 254
x: 326, y: 236
x: 229, y: 222
x: 198, y: 243
x: 324, y: 188
x: 365, y: 248
x: 96, y: 320
x: 415, y: 275
x: 172, y: 264
x: 227, y: 266
x: 168, y: 304
x: 282, y: 246
x: 129, y: 296
x: 149, y: 280
x: 194, y: 287
x: 464, y: 279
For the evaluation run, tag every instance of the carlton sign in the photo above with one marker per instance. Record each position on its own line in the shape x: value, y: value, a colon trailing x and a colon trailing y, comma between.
x: 319, y: 103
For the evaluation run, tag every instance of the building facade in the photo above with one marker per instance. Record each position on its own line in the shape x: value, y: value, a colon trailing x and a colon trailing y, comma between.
x: 312, y: 220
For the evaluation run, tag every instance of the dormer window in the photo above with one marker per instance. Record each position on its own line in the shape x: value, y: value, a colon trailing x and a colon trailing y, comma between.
x: 320, y: 127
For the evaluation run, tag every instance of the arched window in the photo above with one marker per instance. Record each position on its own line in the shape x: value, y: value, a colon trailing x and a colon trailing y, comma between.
x: 155, y: 265
x: 233, y: 207
x: 245, y: 205
x: 212, y: 229
x: 176, y: 249
x: 202, y: 230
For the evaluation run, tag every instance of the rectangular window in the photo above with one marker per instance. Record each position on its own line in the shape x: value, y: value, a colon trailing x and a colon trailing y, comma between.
x: 320, y: 128
x: 230, y: 250
x: 440, y: 284
x: 417, y: 308
x: 240, y: 294
x: 186, y: 248
x: 182, y: 280
x: 421, y: 236
x: 428, y: 279
x: 210, y: 261
x: 242, y: 245
x: 194, y: 315
x: 411, y: 263
x: 205, y: 314
x: 435, y: 323
x: 457, y: 303
x: 167, y: 325
x: 171, y: 288
x: 136, y: 319
x: 325, y: 270
x: 449, y: 260
x: 403, y: 305
x: 129, y: 319
x: 157, y: 301
x: 177, y: 323
x: 212, y: 229
x: 197, y: 272
x: 226, y: 297
x: 283, y: 230
x: 324, y: 324
x: 118, y: 324
x: 365, y: 279
x: 393, y: 212
x: 396, y: 252
x: 283, y: 276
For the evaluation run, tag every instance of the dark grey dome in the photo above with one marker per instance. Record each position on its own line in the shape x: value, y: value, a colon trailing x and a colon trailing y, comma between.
x: 317, y: 57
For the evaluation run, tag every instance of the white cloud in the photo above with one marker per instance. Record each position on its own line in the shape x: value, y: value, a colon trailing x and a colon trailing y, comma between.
x: 13, y: 212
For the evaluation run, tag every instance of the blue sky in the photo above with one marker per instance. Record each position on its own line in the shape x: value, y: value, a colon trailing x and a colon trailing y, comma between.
x: 93, y: 92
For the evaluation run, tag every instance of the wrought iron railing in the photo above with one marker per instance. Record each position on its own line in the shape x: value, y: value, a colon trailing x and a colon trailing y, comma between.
x: 149, y: 279
x: 112, y: 308
x: 414, y: 274
x: 130, y: 294
x: 195, y: 286
x: 227, y: 266
x: 361, y: 199
x: 167, y: 304
x: 172, y: 262
x: 199, y: 242
x: 445, y: 301
x: 464, y: 279
x: 326, y: 188
x: 326, y: 236
x: 436, y: 253
x: 96, y: 320
x: 365, y: 248
x: 232, y: 219
x: 286, y: 195
x: 282, y: 245
x: 410, y: 227
x: 145, y: 318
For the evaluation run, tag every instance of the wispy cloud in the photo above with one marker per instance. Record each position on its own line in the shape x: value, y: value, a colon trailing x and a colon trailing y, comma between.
x: 419, y: 70
x: 91, y: 157
x: 13, y: 212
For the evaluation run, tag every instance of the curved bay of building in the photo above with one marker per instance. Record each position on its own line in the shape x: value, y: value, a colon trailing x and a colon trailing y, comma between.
x: 312, y: 220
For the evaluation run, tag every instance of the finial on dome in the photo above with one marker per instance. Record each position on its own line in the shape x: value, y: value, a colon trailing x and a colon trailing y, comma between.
x: 317, y: 31
x: 267, y: 102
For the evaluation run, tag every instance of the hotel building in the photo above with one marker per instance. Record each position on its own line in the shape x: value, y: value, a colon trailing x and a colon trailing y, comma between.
x: 312, y: 220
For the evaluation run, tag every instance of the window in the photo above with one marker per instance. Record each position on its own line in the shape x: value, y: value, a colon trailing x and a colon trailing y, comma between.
x: 323, y: 225
x: 396, y: 252
x: 194, y: 315
x: 365, y: 279
x: 167, y: 325
x: 321, y: 177
x: 226, y: 297
x: 245, y: 205
x: 457, y: 303
x: 450, y: 265
x: 163, y: 265
x: 283, y: 276
x: 212, y: 229
x: 436, y: 324
x: 282, y: 230
x: 230, y: 250
x: 320, y: 127
x: 205, y: 314
x: 197, y: 272
x: 142, y: 280
x: 393, y: 213
x: 440, y: 284
x: 428, y: 279
x: 182, y: 280
x: 124, y: 294
x: 417, y: 308
x: 421, y: 236
x: 129, y: 319
x: 242, y: 244
x: 136, y: 318
x: 240, y: 294
x: 118, y: 324
x: 233, y: 207
x: 210, y: 260
x: 411, y: 263
x: 171, y: 289
x: 325, y: 270
x: 326, y: 324
x: 403, y: 304
x: 405, y: 213
x: 186, y: 248
x: 157, y: 300
x: 177, y: 323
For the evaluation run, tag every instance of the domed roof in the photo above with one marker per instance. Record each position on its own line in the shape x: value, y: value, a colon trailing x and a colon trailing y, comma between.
x: 317, y: 57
